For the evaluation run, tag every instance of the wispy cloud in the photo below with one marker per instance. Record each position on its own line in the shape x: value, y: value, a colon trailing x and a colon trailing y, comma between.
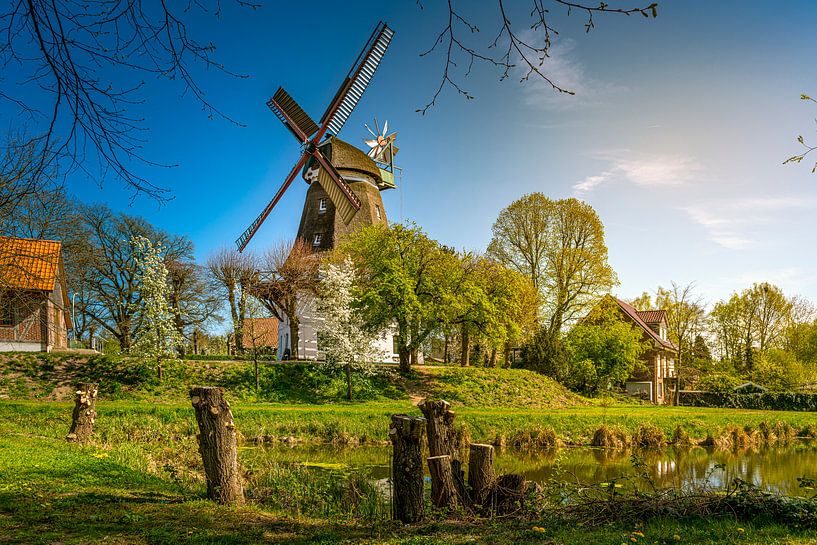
x: 737, y: 223
x: 566, y: 71
x: 642, y: 170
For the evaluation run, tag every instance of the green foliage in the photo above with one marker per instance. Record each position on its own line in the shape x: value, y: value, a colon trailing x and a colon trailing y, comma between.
x: 769, y: 401
x: 605, y: 350
x: 718, y: 382
x: 547, y: 355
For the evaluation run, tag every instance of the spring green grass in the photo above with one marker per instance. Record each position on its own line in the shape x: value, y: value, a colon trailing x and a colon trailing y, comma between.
x: 60, y: 493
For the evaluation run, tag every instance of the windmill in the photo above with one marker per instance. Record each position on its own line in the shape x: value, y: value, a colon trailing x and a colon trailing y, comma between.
x: 317, y: 151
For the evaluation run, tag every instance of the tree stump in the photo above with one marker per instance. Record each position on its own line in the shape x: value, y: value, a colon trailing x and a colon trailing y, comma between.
x: 509, y: 491
x: 481, y: 473
x: 439, y: 427
x: 407, y: 467
x: 84, y: 415
x: 440, y: 435
x: 443, y: 490
x: 217, y: 445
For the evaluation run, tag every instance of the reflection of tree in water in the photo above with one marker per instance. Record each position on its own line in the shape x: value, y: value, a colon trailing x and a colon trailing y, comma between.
x: 775, y: 468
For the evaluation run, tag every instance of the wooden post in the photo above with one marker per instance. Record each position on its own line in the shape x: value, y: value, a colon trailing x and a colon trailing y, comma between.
x: 407, y: 467
x: 217, y: 445
x: 481, y: 473
x: 439, y: 426
x: 440, y: 434
x: 84, y: 415
x: 443, y: 490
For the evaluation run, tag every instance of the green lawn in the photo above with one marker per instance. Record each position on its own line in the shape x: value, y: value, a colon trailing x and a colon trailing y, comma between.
x: 53, y: 492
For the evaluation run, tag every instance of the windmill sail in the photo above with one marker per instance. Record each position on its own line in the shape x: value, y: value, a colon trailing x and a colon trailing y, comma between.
x: 292, y: 115
x: 358, y: 79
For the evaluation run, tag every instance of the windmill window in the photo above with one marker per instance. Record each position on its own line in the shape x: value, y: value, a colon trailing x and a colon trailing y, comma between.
x: 377, y: 210
x: 322, y: 205
x: 316, y: 241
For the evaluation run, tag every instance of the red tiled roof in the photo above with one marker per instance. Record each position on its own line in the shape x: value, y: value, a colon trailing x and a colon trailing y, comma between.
x: 635, y: 316
x: 652, y: 316
x: 264, y: 331
x: 29, y: 264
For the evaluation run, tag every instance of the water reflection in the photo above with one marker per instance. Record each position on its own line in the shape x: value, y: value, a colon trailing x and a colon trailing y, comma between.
x: 774, y: 469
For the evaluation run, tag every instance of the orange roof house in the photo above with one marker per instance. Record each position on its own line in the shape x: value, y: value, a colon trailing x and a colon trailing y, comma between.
x: 658, y: 373
x: 34, y: 305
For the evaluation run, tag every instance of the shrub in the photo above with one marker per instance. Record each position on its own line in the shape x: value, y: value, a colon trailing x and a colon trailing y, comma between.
x: 772, y: 401
x: 649, y: 436
x: 611, y: 437
x: 718, y: 382
x: 539, y: 437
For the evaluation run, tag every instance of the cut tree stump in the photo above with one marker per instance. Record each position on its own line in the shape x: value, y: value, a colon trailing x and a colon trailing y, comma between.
x: 217, y: 445
x: 407, y: 467
x: 481, y: 474
x: 439, y: 427
x: 84, y: 415
x: 509, y: 491
x: 443, y: 490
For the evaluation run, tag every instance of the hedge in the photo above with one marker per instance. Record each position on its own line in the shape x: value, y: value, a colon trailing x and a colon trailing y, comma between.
x: 773, y: 401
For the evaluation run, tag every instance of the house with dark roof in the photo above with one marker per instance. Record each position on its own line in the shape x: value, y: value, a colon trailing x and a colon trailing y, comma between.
x: 653, y: 380
x: 34, y: 306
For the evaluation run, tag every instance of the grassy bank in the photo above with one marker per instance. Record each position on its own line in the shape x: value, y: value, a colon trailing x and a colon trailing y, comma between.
x: 60, y: 493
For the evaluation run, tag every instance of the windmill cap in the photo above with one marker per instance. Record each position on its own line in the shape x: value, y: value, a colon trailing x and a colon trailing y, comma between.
x: 345, y: 156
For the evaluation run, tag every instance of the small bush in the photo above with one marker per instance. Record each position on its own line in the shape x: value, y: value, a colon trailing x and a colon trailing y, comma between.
x: 540, y: 437
x: 611, y: 437
x: 680, y: 438
x: 649, y: 436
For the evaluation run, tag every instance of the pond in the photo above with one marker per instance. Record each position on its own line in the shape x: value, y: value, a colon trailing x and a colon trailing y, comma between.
x: 775, y: 469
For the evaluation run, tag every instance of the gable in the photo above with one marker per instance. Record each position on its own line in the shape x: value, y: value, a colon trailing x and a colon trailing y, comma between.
x: 635, y: 317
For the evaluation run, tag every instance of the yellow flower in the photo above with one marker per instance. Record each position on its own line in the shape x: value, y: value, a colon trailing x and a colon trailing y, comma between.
x: 639, y: 534
x: 676, y: 537
x: 634, y: 540
x: 538, y: 529
x: 100, y: 455
x: 741, y: 530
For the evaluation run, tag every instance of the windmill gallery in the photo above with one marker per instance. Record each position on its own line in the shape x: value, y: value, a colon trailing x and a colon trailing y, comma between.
x: 344, y: 182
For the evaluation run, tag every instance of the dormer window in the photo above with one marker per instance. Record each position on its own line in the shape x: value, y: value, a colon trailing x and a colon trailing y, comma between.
x: 316, y: 240
x: 322, y: 205
x: 377, y: 211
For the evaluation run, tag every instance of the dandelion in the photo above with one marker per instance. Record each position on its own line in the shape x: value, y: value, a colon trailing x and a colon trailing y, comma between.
x: 741, y: 530
x: 100, y: 455
x: 538, y: 529
x: 634, y: 539
x: 639, y: 534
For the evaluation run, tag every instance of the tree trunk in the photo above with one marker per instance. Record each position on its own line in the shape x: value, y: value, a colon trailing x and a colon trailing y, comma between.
x: 407, y: 467
x: 441, y: 438
x: 405, y: 361
x: 414, y: 358
x: 445, y: 349
x: 481, y: 473
x: 159, y: 371
x: 493, y: 357
x: 439, y: 426
x: 294, y: 338
x: 84, y: 415
x: 443, y: 490
x: 510, y: 491
x: 195, y: 341
x: 507, y: 355
x: 349, y: 381
x: 217, y: 445
x: 465, y: 356
x: 257, y: 379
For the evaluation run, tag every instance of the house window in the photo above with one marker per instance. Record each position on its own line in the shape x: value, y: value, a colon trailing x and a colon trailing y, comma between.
x: 322, y: 206
x: 316, y: 241
x: 6, y: 312
x: 377, y: 210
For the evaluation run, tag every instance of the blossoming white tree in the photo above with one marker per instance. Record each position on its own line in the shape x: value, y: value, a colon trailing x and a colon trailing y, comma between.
x: 159, y: 337
x: 343, y: 338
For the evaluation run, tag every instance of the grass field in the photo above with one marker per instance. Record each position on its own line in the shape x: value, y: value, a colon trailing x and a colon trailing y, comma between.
x: 140, y: 480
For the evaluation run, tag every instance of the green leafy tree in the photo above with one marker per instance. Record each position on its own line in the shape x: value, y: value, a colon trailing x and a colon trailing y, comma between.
x: 159, y: 338
x: 605, y: 350
x: 559, y: 245
x: 345, y: 340
x: 405, y: 280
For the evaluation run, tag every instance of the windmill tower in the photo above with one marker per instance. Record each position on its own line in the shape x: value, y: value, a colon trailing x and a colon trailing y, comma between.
x: 345, y: 182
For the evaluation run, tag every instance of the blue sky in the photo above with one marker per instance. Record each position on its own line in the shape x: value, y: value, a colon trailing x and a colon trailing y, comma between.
x: 676, y: 134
